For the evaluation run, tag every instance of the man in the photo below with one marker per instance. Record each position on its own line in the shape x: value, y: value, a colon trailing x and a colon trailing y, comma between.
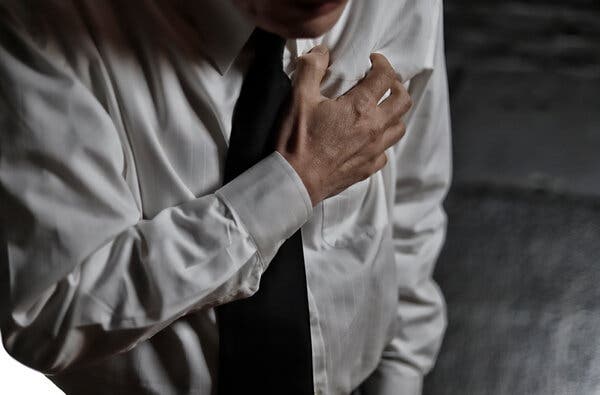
x: 121, y: 236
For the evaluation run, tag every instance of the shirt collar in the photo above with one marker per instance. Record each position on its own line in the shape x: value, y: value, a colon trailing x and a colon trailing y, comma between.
x: 223, y: 30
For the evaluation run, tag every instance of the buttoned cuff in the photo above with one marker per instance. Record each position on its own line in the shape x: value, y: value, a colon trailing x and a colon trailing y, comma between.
x: 270, y: 200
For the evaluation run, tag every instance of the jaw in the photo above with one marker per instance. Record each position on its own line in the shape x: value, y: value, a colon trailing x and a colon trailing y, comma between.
x: 293, y: 20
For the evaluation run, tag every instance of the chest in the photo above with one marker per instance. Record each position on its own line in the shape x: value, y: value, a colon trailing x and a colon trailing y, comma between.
x: 173, y: 109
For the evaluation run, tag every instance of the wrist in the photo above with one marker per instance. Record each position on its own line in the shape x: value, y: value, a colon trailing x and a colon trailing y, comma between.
x: 306, y: 174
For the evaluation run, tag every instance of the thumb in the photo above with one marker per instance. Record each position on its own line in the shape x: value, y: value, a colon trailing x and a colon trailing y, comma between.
x: 310, y: 70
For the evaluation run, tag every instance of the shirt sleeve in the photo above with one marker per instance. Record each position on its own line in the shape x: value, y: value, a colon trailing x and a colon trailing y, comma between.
x: 423, y: 168
x: 83, y: 274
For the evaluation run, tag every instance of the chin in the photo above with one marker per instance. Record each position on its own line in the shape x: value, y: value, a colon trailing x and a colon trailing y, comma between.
x: 304, y: 26
x: 302, y: 31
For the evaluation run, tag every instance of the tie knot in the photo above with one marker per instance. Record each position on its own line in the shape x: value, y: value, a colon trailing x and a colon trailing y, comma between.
x: 269, y: 46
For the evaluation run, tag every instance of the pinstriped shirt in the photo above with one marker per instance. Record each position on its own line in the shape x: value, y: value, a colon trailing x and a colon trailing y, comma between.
x: 120, y: 236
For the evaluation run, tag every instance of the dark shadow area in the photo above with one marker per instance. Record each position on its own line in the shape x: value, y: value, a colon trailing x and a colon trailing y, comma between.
x: 521, y: 266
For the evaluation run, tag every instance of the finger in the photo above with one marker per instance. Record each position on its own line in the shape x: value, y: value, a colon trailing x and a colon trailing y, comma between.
x: 379, y: 163
x: 362, y: 168
x: 397, y: 103
x: 310, y: 70
x: 395, y: 106
x: 379, y: 79
x: 370, y: 167
x: 393, y: 135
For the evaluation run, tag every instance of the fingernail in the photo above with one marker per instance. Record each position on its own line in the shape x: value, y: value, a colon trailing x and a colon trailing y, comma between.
x: 320, y: 49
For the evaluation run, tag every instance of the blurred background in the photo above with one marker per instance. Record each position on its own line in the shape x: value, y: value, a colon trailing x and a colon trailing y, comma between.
x: 521, y: 265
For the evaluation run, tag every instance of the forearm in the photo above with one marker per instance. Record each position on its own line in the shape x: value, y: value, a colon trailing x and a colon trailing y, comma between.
x: 199, y: 254
x: 87, y: 272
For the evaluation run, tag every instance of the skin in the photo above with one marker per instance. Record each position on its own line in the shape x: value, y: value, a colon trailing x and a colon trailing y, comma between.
x: 331, y: 143
x: 293, y: 18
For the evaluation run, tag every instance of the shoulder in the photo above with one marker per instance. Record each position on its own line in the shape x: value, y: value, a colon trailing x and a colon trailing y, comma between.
x: 27, y: 52
x: 43, y: 101
x: 48, y: 36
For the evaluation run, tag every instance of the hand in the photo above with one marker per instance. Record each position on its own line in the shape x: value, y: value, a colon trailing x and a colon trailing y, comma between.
x: 334, y: 143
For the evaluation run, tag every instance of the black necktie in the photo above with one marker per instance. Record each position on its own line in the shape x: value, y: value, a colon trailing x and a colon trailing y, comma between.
x: 264, y: 340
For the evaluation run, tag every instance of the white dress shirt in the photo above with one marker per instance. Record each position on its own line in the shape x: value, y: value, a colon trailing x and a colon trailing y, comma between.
x: 120, y: 238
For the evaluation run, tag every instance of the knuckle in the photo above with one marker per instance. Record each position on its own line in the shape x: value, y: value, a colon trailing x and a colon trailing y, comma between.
x: 399, y: 136
x: 408, y: 103
x: 395, y: 136
x: 381, y: 148
x: 374, y: 167
x: 394, y: 116
x: 362, y: 103
x: 371, y: 136
x: 373, y: 133
x: 402, y: 129
x: 399, y: 86
x: 380, y: 163
x: 398, y: 120
x: 365, y: 172
x: 399, y: 131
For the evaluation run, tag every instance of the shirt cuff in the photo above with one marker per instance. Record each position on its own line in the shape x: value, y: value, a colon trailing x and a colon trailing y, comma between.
x: 270, y: 200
